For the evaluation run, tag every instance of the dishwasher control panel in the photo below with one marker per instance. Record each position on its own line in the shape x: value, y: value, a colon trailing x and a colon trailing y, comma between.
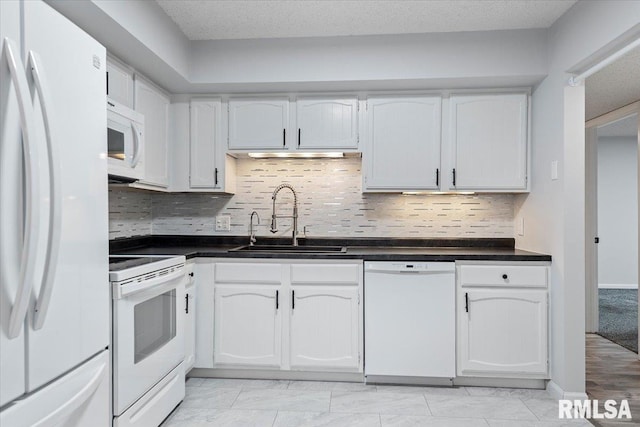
x: 410, y: 266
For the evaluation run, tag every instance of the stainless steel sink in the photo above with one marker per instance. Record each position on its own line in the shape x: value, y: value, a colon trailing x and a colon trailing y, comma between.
x: 290, y: 249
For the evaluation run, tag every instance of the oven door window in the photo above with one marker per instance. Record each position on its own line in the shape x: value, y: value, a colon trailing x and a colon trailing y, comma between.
x: 154, y: 324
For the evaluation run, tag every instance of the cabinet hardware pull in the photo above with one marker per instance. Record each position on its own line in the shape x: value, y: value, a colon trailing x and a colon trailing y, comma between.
x: 299, y: 132
x: 466, y: 302
x: 505, y: 277
x: 191, y: 274
x: 284, y: 137
x: 437, y: 177
x: 454, y: 177
x: 293, y: 300
x: 277, y: 300
x: 216, y: 177
x: 186, y: 300
x: 107, y: 83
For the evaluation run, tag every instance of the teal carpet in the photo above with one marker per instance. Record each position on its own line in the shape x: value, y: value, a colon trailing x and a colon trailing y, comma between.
x: 619, y: 316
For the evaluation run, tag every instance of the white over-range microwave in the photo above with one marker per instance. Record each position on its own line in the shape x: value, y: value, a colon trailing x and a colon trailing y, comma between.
x: 125, y: 142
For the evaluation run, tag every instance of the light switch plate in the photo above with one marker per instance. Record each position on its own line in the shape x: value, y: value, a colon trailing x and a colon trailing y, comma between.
x: 520, y: 226
x: 554, y: 170
x: 223, y: 223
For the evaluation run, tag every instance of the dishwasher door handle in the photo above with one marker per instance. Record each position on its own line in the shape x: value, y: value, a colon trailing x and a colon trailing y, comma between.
x: 409, y: 271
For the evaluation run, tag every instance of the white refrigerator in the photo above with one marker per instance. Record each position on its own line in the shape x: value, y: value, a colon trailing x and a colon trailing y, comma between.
x: 54, y: 289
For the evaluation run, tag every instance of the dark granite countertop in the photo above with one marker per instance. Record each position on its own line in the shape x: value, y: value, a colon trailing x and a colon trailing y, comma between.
x: 374, y: 249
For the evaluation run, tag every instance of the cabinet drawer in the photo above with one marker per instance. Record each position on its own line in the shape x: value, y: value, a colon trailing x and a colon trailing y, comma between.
x: 502, y: 275
x: 326, y: 274
x: 248, y: 273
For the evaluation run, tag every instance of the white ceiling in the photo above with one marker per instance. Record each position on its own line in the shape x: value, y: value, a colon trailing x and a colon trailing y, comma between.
x: 614, y: 86
x: 611, y: 88
x: 258, y: 19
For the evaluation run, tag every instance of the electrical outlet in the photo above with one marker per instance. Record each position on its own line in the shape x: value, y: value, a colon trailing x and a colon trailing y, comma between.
x: 223, y: 223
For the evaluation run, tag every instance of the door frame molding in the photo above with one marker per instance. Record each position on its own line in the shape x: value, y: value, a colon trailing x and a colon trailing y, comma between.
x: 591, y: 224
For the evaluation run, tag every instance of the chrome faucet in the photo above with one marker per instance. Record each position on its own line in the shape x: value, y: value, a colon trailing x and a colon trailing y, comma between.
x: 252, y: 233
x: 274, y: 226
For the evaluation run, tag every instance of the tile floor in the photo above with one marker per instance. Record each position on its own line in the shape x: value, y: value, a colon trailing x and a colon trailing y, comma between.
x: 245, y: 403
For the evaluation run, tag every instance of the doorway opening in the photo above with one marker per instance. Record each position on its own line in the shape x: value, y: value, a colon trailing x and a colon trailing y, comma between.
x: 617, y: 230
x: 612, y: 225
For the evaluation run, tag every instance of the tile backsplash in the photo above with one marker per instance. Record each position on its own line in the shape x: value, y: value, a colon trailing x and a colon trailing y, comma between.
x: 130, y: 213
x: 330, y: 203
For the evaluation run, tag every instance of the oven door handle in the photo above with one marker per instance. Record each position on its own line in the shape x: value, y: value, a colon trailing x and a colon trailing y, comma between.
x: 123, y: 291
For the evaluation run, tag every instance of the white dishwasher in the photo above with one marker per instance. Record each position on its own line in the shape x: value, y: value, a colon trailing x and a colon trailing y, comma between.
x: 409, y: 321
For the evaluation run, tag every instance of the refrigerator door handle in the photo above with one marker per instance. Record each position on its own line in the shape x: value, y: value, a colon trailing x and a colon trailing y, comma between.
x: 136, y: 152
x: 55, y: 210
x: 63, y: 412
x: 31, y: 223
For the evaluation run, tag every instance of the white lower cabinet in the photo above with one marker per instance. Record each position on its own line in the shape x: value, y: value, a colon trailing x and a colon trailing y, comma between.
x: 204, y: 304
x: 502, y: 321
x: 190, y: 318
x: 325, y: 319
x: 247, y: 325
x: 288, y: 316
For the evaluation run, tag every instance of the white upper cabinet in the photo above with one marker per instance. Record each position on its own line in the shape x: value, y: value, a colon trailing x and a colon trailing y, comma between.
x: 259, y: 124
x: 327, y: 123
x: 402, y: 149
x: 488, y: 140
x: 119, y: 83
x: 206, y: 138
x: 154, y: 105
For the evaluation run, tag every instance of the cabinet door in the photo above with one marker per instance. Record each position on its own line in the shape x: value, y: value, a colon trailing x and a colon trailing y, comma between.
x: 325, y: 326
x: 247, y: 325
x: 502, y: 331
x: 119, y: 83
x: 403, y: 144
x: 259, y: 124
x: 327, y: 124
x: 204, y: 312
x: 154, y: 105
x: 206, y: 137
x: 489, y: 141
x: 190, y: 319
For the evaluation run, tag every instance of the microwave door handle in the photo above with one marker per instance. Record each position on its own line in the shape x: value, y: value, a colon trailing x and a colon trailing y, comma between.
x: 136, y: 144
x: 55, y: 211
x: 32, y: 193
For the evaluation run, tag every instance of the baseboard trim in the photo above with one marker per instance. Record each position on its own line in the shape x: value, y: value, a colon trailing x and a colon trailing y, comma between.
x: 558, y: 393
x: 531, y: 383
x: 617, y: 286
x: 257, y: 374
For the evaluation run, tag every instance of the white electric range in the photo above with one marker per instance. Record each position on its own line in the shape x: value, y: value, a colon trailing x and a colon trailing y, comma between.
x: 148, y: 299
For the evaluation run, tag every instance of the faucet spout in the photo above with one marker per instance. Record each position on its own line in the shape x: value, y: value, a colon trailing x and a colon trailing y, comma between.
x: 252, y: 233
x: 294, y: 215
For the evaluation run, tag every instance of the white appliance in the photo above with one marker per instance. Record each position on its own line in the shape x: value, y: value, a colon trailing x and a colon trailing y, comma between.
x: 410, y: 322
x: 125, y: 142
x: 148, y: 341
x: 54, y: 290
